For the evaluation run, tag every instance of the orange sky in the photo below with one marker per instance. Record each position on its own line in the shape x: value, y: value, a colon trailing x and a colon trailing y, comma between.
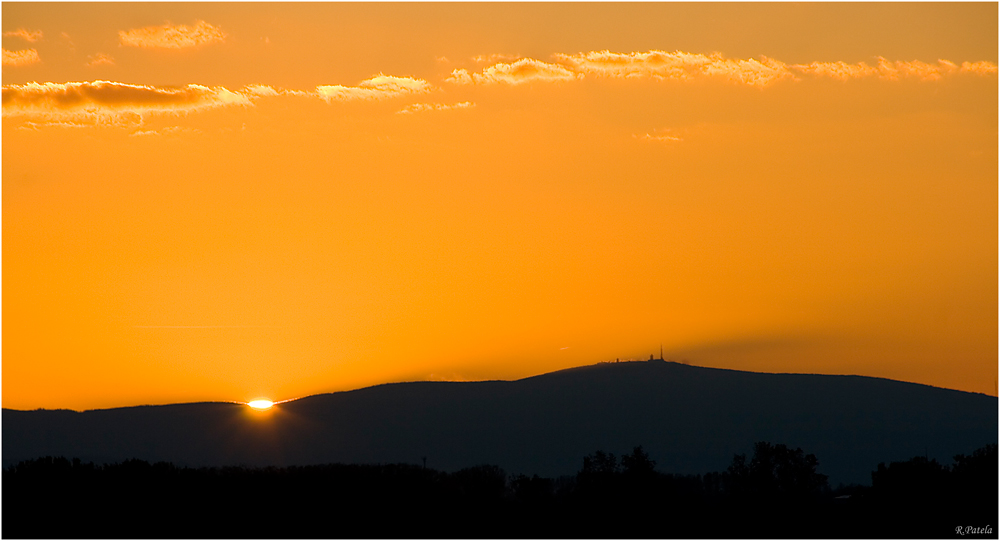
x: 230, y: 201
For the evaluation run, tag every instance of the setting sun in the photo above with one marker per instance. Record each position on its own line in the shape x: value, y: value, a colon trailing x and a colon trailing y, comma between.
x: 260, y: 404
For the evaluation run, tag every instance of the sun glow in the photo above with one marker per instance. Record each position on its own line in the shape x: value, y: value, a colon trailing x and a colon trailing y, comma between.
x: 260, y: 404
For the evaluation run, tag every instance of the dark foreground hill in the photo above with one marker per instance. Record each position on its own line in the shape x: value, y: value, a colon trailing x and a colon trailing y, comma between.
x: 690, y: 419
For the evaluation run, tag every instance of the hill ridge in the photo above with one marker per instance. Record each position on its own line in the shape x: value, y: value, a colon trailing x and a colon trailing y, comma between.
x: 545, y: 374
x: 689, y: 419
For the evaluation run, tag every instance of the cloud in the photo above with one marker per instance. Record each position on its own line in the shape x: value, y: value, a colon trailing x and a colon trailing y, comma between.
x: 837, y: 70
x: 172, y: 37
x: 922, y: 70
x: 658, y: 138
x: 654, y: 64
x: 377, y: 88
x: 20, y: 58
x: 121, y: 104
x: 421, y: 107
x: 105, y: 98
x: 104, y: 102
x: 262, y: 90
x: 460, y: 77
x: 893, y: 71
x: 100, y: 59
x: 27, y: 35
x: 660, y: 65
x: 494, y: 58
x: 525, y: 70
x: 68, y: 40
x: 759, y: 73
x: 678, y: 65
x: 34, y: 126
x: 170, y: 130
x: 265, y: 91
x: 979, y: 68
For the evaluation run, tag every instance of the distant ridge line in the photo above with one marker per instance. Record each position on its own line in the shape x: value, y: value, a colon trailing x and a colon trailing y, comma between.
x: 690, y: 419
x: 597, y: 365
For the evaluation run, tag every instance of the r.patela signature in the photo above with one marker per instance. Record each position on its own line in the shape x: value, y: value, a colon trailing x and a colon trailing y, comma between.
x: 973, y: 530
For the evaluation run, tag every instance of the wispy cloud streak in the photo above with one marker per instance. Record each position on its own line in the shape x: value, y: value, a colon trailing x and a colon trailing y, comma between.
x: 979, y: 68
x: 761, y: 72
x: 678, y: 65
x: 172, y: 36
x: 422, y: 107
x: 659, y: 138
x: 30, y: 36
x: 20, y: 58
x: 892, y: 71
x: 494, y: 58
x: 525, y: 70
x: 34, y: 126
x: 379, y: 87
x: 170, y: 130
x: 106, y: 102
x: 266, y: 91
x: 100, y: 59
x: 110, y: 98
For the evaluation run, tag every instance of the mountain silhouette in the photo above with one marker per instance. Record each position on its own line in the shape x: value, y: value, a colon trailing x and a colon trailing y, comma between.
x: 690, y: 419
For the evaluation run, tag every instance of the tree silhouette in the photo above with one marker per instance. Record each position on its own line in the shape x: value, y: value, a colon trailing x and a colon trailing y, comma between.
x: 532, y: 490
x: 914, y: 479
x: 598, y: 482
x: 775, y: 471
x: 776, y: 493
x: 600, y: 463
x: 637, y: 464
x: 481, y: 483
x: 977, y: 469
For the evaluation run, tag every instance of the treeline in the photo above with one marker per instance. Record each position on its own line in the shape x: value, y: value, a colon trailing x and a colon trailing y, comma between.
x: 774, y: 493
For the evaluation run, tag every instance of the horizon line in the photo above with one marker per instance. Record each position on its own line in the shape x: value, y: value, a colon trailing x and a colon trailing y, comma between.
x: 598, y: 363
